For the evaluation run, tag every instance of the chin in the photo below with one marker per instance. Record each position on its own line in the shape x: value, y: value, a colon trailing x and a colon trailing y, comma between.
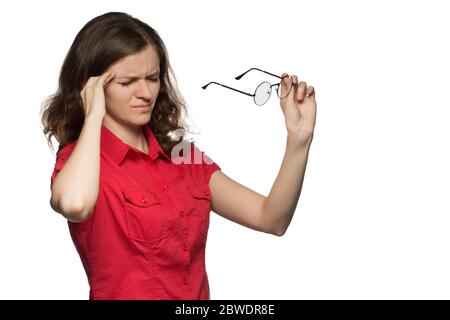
x: 143, y: 119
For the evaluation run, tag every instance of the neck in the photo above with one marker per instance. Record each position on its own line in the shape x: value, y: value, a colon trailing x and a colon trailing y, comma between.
x: 133, y: 136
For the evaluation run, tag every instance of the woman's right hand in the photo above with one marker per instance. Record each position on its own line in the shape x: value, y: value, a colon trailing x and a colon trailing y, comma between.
x: 93, y: 95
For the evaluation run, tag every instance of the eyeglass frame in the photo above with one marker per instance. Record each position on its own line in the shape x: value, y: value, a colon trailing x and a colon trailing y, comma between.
x: 254, y: 94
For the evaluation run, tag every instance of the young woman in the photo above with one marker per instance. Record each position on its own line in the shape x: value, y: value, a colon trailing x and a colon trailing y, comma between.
x: 138, y: 218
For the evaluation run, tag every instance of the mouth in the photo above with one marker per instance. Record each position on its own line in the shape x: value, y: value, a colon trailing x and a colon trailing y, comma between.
x: 142, y: 108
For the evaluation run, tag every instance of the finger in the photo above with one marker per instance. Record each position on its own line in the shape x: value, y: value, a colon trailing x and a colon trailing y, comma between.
x: 90, y: 83
x: 293, y: 84
x: 107, y: 77
x: 83, y: 99
x: 301, y: 90
x: 102, y: 79
x: 286, y: 83
x: 99, y: 80
x: 310, y: 91
x: 293, y: 91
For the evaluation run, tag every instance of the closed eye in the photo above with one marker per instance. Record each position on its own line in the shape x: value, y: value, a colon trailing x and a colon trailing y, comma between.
x: 124, y: 84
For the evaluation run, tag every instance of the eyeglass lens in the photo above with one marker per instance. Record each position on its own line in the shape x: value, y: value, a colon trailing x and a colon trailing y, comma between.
x: 262, y: 93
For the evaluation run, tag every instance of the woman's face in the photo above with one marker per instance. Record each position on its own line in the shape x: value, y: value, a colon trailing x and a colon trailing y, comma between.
x: 136, y: 83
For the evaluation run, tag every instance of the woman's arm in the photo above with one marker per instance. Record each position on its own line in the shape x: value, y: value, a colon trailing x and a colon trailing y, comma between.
x: 281, y: 203
x: 75, y: 188
x: 272, y: 214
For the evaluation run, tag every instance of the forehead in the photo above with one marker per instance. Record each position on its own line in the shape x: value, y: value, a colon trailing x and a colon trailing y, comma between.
x: 138, y: 64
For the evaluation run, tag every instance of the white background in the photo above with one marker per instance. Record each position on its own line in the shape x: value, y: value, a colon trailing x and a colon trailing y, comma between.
x: 373, y: 218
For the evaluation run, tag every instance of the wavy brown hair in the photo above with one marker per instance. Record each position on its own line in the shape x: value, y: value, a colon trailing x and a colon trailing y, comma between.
x: 100, y: 43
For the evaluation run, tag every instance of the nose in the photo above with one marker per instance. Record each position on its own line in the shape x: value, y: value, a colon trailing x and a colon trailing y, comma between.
x: 143, y: 90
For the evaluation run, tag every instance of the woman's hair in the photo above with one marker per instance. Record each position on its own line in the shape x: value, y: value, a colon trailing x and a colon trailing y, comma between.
x: 100, y: 43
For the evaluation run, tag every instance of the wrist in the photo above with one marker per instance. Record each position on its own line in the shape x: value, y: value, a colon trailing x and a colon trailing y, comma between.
x: 94, y: 119
x: 301, y: 140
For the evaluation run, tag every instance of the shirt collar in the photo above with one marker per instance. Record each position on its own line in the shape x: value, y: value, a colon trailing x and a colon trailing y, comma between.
x: 116, y: 149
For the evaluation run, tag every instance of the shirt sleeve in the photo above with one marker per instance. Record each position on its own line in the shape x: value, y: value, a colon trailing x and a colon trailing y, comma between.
x: 61, y: 158
x: 208, y: 165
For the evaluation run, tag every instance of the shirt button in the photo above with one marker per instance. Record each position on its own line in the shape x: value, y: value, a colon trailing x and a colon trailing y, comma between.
x: 185, y: 281
x: 207, y: 193
x: 185, y: 248
x: 181, y: 212
x: 165, y: 187
x: 144, y: 200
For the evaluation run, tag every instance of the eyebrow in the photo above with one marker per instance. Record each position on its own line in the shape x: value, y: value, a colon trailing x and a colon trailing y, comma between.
x: 135, y: 78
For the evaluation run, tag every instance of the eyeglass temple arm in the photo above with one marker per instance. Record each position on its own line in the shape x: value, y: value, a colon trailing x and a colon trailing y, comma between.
x: 240, y: 76
x: 249, y: 94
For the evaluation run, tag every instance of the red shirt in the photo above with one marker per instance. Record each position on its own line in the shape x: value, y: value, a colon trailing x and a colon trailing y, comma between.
x: 146, y: 237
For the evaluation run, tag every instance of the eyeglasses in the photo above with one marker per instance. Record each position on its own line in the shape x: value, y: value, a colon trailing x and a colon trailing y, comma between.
x: 264, y: 90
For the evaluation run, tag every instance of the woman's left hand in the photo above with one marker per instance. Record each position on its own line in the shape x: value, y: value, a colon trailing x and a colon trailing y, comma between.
x: 299, y: 109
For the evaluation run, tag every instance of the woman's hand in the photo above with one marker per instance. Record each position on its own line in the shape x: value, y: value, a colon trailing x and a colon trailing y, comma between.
x: 93, y: 96
x: 299, y: 109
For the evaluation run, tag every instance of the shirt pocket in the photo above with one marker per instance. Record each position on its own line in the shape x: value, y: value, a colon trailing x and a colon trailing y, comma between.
x: 146, y: 217
x: 200, y: 205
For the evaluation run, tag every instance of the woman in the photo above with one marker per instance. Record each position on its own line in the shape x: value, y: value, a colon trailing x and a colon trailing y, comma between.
x: 138, y: 218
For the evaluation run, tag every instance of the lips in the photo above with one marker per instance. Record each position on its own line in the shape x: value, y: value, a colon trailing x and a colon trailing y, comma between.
x: 142, y: 106
x: 145, y: 108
